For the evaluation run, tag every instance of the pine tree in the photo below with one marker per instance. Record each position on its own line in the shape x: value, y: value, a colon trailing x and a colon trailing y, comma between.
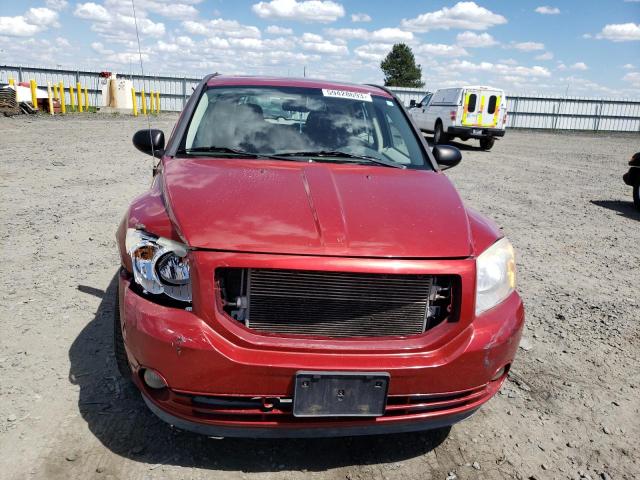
x: 400, y: 69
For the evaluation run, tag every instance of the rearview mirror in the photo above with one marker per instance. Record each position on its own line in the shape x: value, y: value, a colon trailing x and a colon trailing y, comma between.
x: 412, y: 103
x: 149, y: 141
x: 446, y: 156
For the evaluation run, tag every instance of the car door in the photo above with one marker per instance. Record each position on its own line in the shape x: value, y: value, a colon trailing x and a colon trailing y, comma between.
x: 433, y: 110
x: 420, y: 114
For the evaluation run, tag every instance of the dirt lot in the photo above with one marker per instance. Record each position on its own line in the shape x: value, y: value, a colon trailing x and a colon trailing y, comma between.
x: 569, y: 410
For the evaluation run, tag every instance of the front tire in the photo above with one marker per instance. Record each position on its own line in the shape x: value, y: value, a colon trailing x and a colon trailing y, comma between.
x: 119, y: 351
x: 636, y: 196
x: 439, y: 137
x: 487, y: 143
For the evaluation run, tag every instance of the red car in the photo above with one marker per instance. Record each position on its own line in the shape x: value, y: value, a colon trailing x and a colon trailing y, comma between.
x: 309, y: 274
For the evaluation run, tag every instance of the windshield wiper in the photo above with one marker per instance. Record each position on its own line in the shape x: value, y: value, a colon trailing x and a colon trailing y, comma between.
x: 339, y: 154
x: 232, y: 151
x: 214, y: 149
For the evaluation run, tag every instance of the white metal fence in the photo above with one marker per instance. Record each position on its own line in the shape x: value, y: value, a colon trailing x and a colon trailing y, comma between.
x: 525, y: 111
x: 174, y: 90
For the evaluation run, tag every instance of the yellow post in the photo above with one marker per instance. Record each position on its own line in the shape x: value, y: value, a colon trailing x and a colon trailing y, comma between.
x: 158, y: 103
x: 79, y: 92
x: 34, y: 95
x: 134, y: 101
x: 144, y: 102
x: 152, y: 102
x: 72, y: 96
x: 55, y: 91
x: 86, y: 99
x: 50, y: 98
x: 63, y: 100
x: 12, y: 82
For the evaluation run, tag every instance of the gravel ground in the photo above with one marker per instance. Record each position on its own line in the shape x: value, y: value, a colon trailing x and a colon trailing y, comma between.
x: 569, y: 410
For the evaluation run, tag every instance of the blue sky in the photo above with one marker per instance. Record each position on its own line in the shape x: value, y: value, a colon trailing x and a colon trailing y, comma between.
x: 588, y: 47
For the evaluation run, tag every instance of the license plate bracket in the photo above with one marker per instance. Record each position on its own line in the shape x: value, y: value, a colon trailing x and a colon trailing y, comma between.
x: 340, y: 394
x: 476, y: 131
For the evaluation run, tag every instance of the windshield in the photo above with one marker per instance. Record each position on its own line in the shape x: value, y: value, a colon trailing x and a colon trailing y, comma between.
x: 313, y: 123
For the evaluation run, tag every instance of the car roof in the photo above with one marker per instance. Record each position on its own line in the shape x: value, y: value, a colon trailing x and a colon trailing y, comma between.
x: 255, y: 81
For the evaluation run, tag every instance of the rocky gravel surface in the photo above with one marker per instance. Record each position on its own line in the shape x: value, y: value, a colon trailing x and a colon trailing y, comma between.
x: 570, y: 409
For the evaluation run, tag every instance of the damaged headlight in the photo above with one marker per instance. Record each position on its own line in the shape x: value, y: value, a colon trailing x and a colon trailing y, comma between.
x: 495, y: 275
x: 159, y: 265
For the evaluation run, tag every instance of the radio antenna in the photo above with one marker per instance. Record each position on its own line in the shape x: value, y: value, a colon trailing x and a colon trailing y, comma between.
x: 135, y: 21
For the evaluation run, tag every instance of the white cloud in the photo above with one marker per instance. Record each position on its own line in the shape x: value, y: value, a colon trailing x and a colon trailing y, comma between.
x: 499, y: 69
x: 373, y: 52
x: 579, y: 66
x: 528, y: 46
x: 629, y: 66
x: 360, y: 17
x: 633, y: 78
x: 114, y: 24
x: 546, y: 10
x: 186, y: 42
x: 92, y: 11
x: 440, y: 49
x: 315, y: 43
x: 391, y: 35
x: 220, y: 26
x: 127, y: 58
x: 63, y: 42
x: 381, y: 35
x: 34, y: 20
x: 275, y: 30
x: 166, y: 47
x: 101, y: 49
x: 545, y: 56
x: 56, y: 4
x: 42, y: 16
x: 348, y: 33
x: 475, y: 40
x: 620, y: 32
x: 323, y: 11
x: 17, y: 27
x: 463, y: 15
x: 181, y: 9
x: 176, y: 10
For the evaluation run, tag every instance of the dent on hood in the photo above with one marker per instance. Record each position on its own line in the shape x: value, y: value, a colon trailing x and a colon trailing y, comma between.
x: 484, y: 231
x: 148, y: 212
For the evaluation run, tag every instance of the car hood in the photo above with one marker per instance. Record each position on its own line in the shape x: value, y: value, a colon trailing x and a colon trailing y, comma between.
x: 315, y: 208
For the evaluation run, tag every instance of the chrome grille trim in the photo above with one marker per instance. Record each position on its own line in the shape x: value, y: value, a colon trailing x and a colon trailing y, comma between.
x: 337, y: 304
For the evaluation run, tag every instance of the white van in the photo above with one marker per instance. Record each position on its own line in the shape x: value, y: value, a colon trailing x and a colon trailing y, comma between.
x: 464, y: 112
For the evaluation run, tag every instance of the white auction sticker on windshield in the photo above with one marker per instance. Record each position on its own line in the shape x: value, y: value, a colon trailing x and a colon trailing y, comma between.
x: 364, y: 97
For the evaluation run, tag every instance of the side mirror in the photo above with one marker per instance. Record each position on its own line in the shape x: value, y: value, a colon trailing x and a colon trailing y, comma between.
x: 446, y: 156
x: 412, y: 103
x: 150, y: 142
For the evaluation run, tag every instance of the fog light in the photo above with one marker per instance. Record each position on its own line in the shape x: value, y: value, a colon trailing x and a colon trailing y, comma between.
x: 154, y: 380
x: 499, y: 374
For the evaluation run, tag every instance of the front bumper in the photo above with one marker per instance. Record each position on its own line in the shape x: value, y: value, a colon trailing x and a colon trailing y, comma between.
x: 468, y: 132
x: 432, y: 385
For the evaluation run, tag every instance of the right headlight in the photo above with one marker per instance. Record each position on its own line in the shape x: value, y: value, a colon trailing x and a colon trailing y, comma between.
x: 495, y: 275
x: 159, y: 265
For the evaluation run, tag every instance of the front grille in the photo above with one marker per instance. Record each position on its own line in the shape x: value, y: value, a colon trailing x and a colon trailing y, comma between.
x: 335, y: 304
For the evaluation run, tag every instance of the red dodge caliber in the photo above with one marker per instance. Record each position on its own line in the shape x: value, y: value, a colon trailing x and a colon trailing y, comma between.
x: 301, y: 267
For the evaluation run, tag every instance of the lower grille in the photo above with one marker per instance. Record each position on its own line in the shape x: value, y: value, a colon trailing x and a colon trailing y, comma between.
x: 335, y: 304
x: 280, y: 409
